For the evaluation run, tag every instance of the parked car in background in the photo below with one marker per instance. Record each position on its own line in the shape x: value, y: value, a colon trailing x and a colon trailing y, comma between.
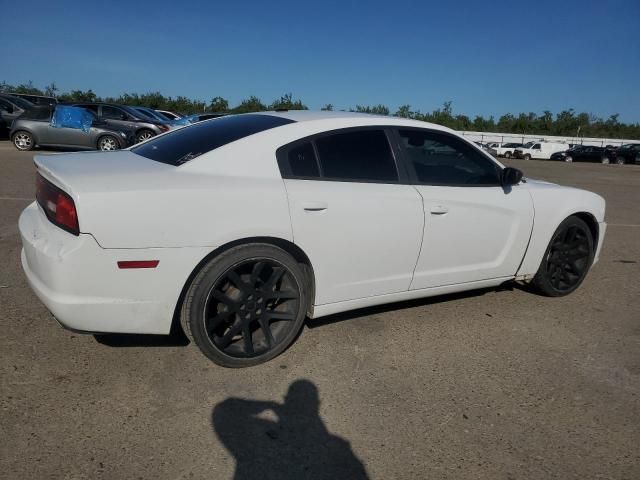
x: 125, y: 242
x: 11, y: 107
x: 37, y: 99
x: 586, y: 153
x: 33, y: 129
x: 198, y: 117
x: 540, y: 150
x: 125, y: 117
x: 506, y: 149
x: 628, y: 153
x: 487, y: 149
x: 153, y: 114
x: 170, y: 115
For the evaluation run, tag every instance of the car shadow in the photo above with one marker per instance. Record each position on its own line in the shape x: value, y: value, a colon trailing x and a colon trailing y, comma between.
x: 289, y: 440
x: 419, y: 302
x: 122, y: 340
x: 177, y: 337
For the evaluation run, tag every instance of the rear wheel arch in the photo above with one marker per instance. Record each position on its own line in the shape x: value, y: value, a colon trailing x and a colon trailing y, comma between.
x: 291, y: 248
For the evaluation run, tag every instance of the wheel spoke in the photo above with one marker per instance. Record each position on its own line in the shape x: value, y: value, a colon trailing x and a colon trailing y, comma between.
x: 276, y: 274
x: 246, y: 336
x: 282, y: 295
x: 232, y: 332
x: 264, y: 325
x: 224, y: 298
x: 255, y: 273
x: 281, y: 316
x: 215, y: 321
x: 237, y: 281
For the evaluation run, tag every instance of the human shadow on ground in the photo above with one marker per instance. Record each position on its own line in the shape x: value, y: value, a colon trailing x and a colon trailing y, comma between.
x: 271, y: 440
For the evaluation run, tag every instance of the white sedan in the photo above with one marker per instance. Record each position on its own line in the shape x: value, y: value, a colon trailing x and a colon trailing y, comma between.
x: 240, y: 227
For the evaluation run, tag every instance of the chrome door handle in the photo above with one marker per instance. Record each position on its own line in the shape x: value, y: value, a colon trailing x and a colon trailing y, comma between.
x: 439, y: 210
x: 315, y: 206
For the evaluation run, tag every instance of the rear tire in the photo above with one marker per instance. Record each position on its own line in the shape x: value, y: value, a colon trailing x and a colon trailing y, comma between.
x: 620, y: 161
x: 108, y: 143
x: 568, y: 159
x: 246, y: 306
x: 567, y: 259
x: 143, y: 135
x: 23, y: 141
x: 605, y: 161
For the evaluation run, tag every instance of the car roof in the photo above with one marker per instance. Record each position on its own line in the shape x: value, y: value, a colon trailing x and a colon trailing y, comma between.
x: 356, y: 118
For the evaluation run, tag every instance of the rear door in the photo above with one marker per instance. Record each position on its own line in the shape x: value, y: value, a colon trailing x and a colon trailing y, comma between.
x: 352, y: 214
x: 474, y: 229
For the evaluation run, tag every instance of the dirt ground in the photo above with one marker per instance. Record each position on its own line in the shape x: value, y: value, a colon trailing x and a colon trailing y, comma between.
x: 495, y: 384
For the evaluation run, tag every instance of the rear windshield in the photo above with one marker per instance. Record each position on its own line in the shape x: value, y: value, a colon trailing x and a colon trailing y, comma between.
x: 187, y: 143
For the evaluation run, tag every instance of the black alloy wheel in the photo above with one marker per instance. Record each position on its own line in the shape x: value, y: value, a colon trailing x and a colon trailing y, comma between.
x: 567, y: 259
x: 246, y: 306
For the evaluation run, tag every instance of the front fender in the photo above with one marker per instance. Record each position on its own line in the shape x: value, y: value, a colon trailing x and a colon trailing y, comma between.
x: 552, y: 204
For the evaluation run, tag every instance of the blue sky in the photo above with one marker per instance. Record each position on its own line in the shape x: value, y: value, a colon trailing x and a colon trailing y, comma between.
x: 487, y: 58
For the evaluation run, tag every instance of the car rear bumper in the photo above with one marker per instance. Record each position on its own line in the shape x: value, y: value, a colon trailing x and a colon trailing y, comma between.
x: 83, y: 287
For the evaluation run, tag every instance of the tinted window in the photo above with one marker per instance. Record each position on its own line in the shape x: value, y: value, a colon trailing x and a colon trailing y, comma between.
x: 441, y: 159
x: 91, y: 108
x: 41, y: 113
x: 112, y: 113
x: 184, y: 144
x: 362, y: 155
x: 302, y: 161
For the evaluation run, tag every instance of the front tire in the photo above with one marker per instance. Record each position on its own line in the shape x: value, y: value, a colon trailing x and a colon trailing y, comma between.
x: 567, y: 259
x: 108, y: 143
x: 23, y: 141
x: 568, y: 159
x: 605, y: 160
x: 527, y: 157
x: 507, y: 154
x: 246, y: 306
x: 620, y: 160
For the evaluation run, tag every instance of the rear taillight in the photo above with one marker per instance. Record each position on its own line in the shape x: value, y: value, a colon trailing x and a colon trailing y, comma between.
x: 58, y: 206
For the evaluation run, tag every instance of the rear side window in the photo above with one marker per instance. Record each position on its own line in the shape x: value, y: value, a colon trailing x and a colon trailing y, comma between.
x: 184, y: 144
x: 361, y: 155
x: 302, y: 161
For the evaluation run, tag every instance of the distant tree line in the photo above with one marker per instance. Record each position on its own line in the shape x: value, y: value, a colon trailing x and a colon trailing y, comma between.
x: 565, y: 123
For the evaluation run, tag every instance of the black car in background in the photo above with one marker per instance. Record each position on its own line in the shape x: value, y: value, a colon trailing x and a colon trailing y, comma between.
x: 33, y: 128
x: 586, y: 153
x: 628, y: 153
x: 122, y: 116
x: 36, y: 99
x: 11, y: 107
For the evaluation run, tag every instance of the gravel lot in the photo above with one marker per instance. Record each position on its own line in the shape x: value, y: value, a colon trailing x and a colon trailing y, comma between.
x: 491, y: 384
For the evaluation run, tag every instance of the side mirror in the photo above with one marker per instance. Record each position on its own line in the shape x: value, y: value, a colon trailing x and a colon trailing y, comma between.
x: 510, y: 176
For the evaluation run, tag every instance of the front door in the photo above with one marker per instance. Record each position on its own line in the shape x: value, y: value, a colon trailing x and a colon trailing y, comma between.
x: 359, y: 225
x: 474, y: 229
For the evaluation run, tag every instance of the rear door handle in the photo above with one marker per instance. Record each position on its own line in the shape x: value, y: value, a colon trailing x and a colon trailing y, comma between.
x: 439, y: 210
x: 315, y: 206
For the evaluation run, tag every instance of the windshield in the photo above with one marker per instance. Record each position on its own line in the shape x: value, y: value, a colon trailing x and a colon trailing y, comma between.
x: 184, y: 144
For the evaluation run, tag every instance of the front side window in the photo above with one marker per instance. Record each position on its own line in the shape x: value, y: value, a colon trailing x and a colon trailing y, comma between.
x: 357, y: 156
x: 536, y: 146
x: 442, y: 159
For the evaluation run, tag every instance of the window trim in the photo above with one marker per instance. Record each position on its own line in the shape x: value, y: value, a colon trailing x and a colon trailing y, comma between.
x: 413, y: 177
x: 282, y: 154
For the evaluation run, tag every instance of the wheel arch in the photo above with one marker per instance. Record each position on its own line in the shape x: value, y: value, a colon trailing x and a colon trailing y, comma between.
x: 592, y: 223
x: 291, y: 248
